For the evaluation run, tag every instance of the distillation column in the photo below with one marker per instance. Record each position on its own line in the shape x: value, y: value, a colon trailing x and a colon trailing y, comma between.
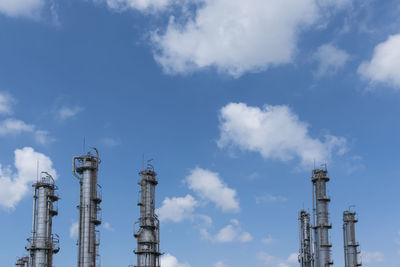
x: 305, y: 253
x: 43, y: 244
x: 321, y: 224
x: 23, y: 262
x: 85, y: 168
x: 148, y: 235
x: 350, y: 245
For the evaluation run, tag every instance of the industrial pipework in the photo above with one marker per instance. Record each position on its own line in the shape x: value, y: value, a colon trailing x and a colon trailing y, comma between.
x: 85, y: 169
x: 42, y: 243
x: 148, y: 235
x: 23, y: 262
x: 321, y: 224
x: 306, y: 257
x: 349, y: 236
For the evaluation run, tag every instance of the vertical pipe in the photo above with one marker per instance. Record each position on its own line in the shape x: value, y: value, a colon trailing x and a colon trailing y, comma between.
x: 321, y: 218
x: 349, y: 238
x: 85, y: 168
x: 148, y: 235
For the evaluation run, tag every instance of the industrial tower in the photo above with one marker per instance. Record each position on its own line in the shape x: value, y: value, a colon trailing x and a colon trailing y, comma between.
x: 85, y: 169
x: 350, y: 245
x: 306, y: 257
x: 148, y: 235
x: 42, y: 243
x: 321, y: 224
x: 23, y: 262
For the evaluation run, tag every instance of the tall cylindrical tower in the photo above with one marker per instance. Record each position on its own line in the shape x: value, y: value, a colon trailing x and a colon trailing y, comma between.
x: 305, y: 252
x: 349, y: 236
x: 43, y: 244
x: 23, y: 262
x: 85, y: 168
x: 321, y: 219
x: 148, y: 235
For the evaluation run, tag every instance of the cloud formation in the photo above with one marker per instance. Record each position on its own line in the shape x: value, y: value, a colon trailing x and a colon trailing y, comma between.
x: 6, y: 102
x: 142, y: 5
x: 270, y: 260
x: 231, y: 232
x: 15, y: 127
x: 330, y: 59
x: 69, y: 112
x: 372, y: 257
x: 177, y: 209
x: 15, y: 185
x: 276, y: 133
x: 74, y: 230
x: 22, y: 8
x: 167, y: 260
x: 208, y: 185
x: 384, y: 67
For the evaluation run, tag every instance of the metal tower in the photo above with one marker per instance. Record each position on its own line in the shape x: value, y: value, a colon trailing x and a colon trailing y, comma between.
x: 23, y: 262
x: 85, y: 169
x: 148, y: 235
x: 321, y: 224
x: 350, y: 245
x: 43, y: 244
x: 306, y: 258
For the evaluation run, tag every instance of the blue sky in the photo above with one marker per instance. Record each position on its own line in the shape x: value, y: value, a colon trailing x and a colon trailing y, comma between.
x: 235, y: 100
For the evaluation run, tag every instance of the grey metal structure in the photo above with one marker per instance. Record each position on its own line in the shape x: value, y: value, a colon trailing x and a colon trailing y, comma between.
x: 23, y: 262
x: 306, y: 257
x: 148, y: 235
x: 43, y: 244
x: 85, y: 169
x: 321, y: 224
x: 351, y: 258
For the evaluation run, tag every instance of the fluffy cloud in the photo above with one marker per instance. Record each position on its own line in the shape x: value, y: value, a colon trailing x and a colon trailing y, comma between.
x: 208, y: 185
x: 177, y: 209
x: 14, y: 185
x: 22, y: 8
x: 220, y: 264
x: 330, y: 59
x: 14, y: 126
x: 142, y: 5
x: 74, y: 230
x: 235, y: 36
x: 270, y: 260
x: 168, y: 260
x: 384, y: 66
x: 6, y: 102
x: 68, y: 112
x: 231, y: 232
x: 275, y: 132
x: 372, y: 256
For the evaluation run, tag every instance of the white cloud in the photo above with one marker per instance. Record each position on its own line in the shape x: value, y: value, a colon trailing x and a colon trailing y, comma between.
x: 142, y: 5
x: 268, y: 198
x: 15, y: 185
x: 111, y: 142
x: 384, y: 66
x: 268, y: 240
x: 208, y: 185
x: 168, y: 260
x: 6, y: 102
x: 270, y: 260
x: 177, y: 209
x: 74, y: 230
x: 231, y: 232
x: 235, y: 36
x: 372, y: 256
x: 22, y: 8
x: 330, y: 59
x: 107, y: 226
x: 14, y: 127
x: 220, y: 264
x: 275, y: 132
x: 69, y: 112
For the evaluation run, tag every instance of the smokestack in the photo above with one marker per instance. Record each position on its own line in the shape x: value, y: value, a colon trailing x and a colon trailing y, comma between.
x: 349, y: 236
x: 148, y: 235
x: 85, y: 169
x: 321, y: 218
x: 43, y: 244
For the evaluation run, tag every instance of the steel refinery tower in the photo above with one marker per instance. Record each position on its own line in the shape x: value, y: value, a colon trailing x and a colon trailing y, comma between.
x: 42, y: 244
x: 350, y: 245
x: 85, y: 169
x: 306, y: 257
x: 148, y: 235
x: 321, y: 223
